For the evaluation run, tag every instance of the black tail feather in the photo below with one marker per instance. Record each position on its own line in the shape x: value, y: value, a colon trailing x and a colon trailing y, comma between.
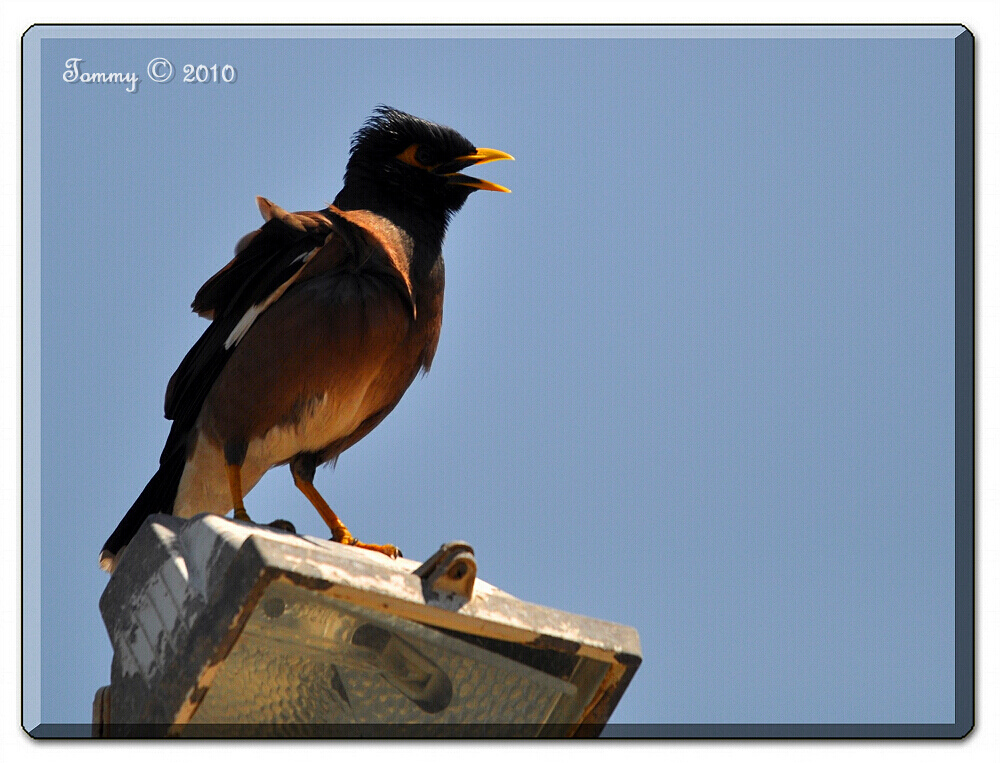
x: 156, y: 498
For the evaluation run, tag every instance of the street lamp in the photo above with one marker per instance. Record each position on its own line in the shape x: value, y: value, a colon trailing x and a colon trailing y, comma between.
x: 225, y: 629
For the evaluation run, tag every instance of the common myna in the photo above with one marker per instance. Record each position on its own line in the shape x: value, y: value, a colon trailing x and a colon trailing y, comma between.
x: 319, y: 324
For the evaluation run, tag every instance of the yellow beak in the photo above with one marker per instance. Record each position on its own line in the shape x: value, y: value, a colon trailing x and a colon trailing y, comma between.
x: 479, y: 156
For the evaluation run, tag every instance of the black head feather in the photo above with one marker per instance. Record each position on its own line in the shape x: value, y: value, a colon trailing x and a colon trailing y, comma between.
x: 377, y: 180
x: 389, y: 131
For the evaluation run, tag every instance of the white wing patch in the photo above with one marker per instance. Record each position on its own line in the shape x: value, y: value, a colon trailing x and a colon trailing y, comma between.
x: 251, y: 315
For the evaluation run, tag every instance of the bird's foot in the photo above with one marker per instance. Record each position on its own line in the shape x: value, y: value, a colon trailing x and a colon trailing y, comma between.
x: 388, y: 549
x: 349, y: 540
x: 240, y: 515
x: 282, y: 524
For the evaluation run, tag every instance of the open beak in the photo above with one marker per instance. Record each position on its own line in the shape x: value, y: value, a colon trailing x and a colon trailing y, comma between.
x: 479, y: 156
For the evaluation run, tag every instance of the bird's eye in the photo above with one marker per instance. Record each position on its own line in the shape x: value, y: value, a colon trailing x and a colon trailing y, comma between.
x: 425, y: 156
x: 419, y: 156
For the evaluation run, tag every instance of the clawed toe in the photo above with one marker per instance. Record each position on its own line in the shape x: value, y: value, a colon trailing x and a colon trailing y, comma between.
x: 282, y: 524
x: 388, y: 549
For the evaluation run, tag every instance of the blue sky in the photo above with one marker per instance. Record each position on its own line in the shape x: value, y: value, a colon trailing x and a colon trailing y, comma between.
x: 695, y: 374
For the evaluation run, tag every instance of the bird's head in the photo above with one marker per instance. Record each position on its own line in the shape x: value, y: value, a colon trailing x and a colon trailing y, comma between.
x: 399, y: 161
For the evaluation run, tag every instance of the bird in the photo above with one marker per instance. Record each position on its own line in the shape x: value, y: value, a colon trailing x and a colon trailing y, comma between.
x: 319, y: 324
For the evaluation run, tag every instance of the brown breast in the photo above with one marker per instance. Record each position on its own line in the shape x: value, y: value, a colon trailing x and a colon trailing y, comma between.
x: 328, y: 360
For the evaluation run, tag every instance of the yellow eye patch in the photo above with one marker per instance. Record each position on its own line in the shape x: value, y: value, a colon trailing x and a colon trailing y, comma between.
x: 410, y: 157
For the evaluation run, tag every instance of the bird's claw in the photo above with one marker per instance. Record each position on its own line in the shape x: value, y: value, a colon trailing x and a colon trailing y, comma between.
x: 283, y: 524
x: 388, y: 549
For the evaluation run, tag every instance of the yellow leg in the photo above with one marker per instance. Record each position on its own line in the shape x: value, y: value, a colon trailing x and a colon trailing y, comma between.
x: 236, y: 491
x: 339, y: 530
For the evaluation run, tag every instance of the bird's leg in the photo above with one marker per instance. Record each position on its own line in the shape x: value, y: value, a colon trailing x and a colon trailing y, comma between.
x: 236, y: 491
x: 235, y: 452
x: 303, y: 468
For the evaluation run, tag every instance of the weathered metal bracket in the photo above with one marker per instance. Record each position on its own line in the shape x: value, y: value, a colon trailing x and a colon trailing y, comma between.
x: 449, y: 575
